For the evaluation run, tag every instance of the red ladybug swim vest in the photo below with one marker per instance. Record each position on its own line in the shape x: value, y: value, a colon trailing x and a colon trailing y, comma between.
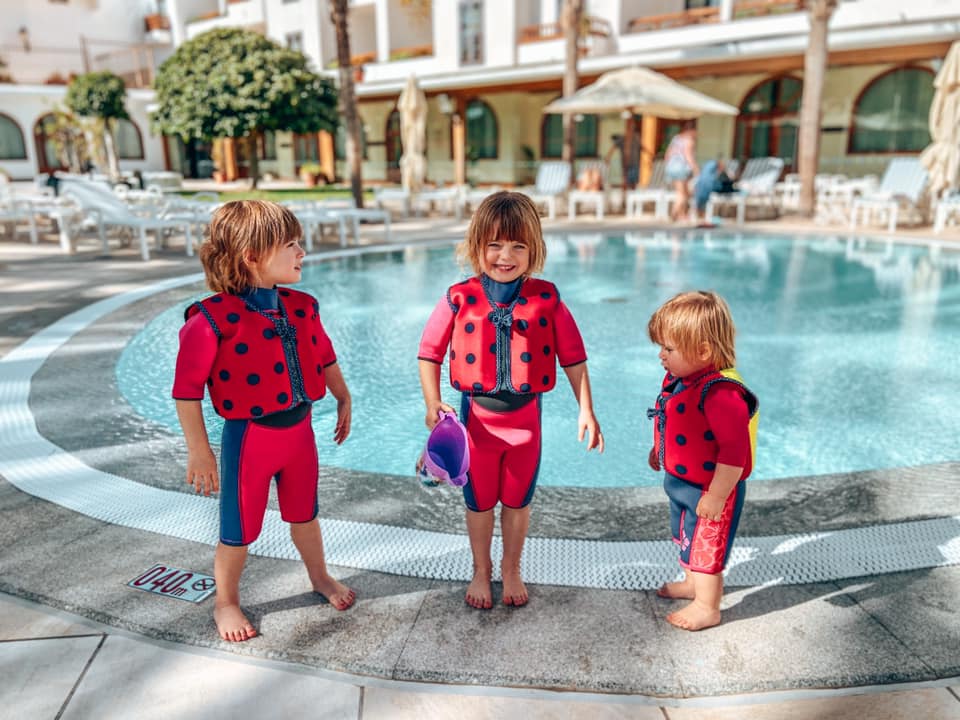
x: 684, y: 443
x: 522, y: 360
x: 263, y: 365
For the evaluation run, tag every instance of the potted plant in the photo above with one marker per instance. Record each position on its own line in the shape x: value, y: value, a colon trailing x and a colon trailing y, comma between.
x: 156, y: 21
x: 310, y: 172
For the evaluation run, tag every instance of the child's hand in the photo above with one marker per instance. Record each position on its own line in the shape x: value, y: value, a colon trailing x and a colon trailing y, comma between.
x: 433, y: 412
x: 344, y: 415
x: 202, y: 471
x: 653, y: 459
x: 588, y: 424
x: 710, y: 507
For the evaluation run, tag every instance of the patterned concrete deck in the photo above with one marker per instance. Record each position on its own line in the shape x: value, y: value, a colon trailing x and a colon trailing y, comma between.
x: 863, y: 627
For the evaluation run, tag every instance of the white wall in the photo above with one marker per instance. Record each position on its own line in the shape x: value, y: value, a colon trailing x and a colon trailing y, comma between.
x: 28, y: 103
x: 54, y: 32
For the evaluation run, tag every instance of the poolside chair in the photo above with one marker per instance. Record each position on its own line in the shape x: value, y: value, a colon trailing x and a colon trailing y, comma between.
x: 947, y: 211
x: 903, y: 186
x: 111, y: 211
x: 13, y: 212
x: 552, y: 183
x: 443, y: 199
x: 597, y: 198
x: 470, y: 197
x: 757, y: 182
x: 384, y: 195
x: 657, y: 192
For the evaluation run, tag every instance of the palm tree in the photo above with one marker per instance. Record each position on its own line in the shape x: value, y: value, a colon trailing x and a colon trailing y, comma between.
x: 571, y: 21
x: 811, y: 108
x: 348, y: 98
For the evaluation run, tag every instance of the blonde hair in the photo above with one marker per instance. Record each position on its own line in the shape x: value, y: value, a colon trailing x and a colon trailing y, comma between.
x: 692, y: 320
x: 504, y: 215
x: 240, y: 231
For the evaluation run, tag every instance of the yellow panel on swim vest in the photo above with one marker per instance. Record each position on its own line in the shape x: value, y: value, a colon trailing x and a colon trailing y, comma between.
x: 754, y: 420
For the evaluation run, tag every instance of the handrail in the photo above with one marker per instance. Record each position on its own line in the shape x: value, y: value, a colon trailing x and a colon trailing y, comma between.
x: 696, y: 16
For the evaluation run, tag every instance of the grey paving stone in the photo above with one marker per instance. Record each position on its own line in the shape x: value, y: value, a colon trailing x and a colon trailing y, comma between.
x: 920, y: 609
x: 19, y: 621
x: 566, y: 638
x: 381, y: 704
x: 36, y: 676
x: 932, y: 704
x: 808, y: 636
x: 191, y: 685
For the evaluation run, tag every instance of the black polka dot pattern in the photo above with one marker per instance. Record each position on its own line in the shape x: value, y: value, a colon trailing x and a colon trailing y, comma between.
x: 283, y: 398
x: 233, y: 317
x: 241, y: 348
x: 224, y: 375
x: 253, y: 379
x: 469, y: 327
x: 278, y: 368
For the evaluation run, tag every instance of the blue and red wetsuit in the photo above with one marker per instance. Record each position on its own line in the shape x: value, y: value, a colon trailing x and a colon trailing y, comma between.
x: 261, y: 355
x: 700, y: 421
x: 505, y: 340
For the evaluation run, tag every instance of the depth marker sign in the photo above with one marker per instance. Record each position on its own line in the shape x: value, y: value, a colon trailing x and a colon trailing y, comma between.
x: 173, y: 582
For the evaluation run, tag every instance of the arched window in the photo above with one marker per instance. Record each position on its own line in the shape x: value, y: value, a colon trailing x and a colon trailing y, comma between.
x: 129, y: 142
x: 482, y: 134
x: 12, y: 146
x: 54, y: 143
x: 768, y: 120
x: 892, y: 113
x: 551, y: 136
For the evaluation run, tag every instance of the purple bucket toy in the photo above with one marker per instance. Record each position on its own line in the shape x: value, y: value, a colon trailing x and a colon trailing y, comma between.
x: 446, y: 458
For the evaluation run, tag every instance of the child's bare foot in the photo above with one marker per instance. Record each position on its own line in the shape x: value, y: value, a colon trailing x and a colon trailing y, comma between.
x: 232, y: 624
x: 479, y: 595
x: 514, y: 591
x: 682, y: 590
x: 694, y: 617
x: 336, y: 593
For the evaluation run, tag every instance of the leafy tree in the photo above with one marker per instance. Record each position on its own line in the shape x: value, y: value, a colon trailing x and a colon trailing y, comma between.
x: 234, y: 83
x: 100, y: 95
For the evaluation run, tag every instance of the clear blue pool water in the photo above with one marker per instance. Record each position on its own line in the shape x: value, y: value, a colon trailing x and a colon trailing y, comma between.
x: 851, y: 346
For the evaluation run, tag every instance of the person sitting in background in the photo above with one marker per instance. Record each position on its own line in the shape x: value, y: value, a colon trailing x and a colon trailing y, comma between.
x: 712, y: 179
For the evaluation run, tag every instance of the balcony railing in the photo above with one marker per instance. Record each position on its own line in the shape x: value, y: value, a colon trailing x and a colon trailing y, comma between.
x: 593, y: 27
x: 701, y: 15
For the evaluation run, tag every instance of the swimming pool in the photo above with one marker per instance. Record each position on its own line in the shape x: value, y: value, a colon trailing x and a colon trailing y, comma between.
x: 849, y: 344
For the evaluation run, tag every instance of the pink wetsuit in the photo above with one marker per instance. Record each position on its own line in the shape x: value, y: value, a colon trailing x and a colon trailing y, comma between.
x: 503, y: 430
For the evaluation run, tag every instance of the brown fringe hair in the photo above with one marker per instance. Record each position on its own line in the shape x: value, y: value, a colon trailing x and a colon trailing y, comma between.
x: 692, y: 319
x: 242, y: 231
x: 504, y: 216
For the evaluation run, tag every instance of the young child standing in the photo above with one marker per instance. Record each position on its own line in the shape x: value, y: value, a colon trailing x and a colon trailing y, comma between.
x: 506, y: 331
x: 263, y: 354
x: 702, y: 440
